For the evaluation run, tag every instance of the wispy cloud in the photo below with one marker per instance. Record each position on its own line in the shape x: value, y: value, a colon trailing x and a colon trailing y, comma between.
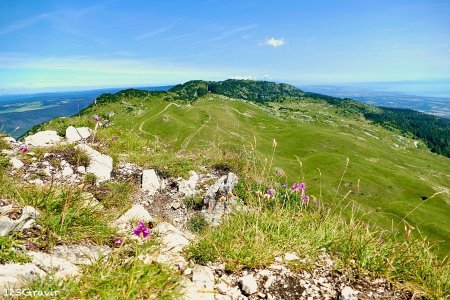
x: 227, y: 33
x: 155, y: 32
x: 22, y: 24
x: 233, y: 31
x: 425, y: 7
x: 273, y: 42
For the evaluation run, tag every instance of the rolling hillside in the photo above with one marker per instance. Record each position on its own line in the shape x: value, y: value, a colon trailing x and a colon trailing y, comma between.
x: 390, y: 177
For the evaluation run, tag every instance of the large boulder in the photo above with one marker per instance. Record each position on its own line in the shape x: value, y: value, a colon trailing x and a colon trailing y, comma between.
x: 43, y: 138
x: 100, y: 165
x: 150, y: 182
x: 75, y: 134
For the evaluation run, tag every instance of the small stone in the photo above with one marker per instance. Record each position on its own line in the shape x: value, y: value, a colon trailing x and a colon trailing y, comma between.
x: 67, y: 171
x: 36, y: 182
x: 176, y: 205
x: 81, y: 169
x: 278, y: 259
x: 265, y: 273
x: 16, y: 163
x: 29, y: 212
x: 269, y: 297
x: 188, y: 271
x: 290, y: 256
x: 269, y: 282
x: 248, y: 284
x: 348, y: 293
x: 136, y: 213
x: 203, y: 275
x: 222, y: 288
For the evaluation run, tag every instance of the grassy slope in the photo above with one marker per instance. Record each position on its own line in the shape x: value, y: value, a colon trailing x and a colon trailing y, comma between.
x: 392, y: 179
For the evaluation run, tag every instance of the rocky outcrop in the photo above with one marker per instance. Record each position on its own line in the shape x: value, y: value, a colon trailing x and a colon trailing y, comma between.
x: 100, y: 165
x: 187, y: 187
x: 223, y: 186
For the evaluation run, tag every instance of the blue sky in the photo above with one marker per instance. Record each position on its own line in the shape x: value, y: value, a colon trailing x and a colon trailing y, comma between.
x: 53, y: 45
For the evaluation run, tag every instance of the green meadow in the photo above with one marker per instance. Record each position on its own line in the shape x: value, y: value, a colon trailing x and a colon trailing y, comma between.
x: 385, y: 179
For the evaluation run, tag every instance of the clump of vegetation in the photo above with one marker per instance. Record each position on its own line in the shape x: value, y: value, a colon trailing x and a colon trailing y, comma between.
x: 197, y: 223
x: 114, y: 196
x: 9, y: 252
x: 193, y: 202
x: 118, y: 277
x: 63, y: 218
x: 90, y: 179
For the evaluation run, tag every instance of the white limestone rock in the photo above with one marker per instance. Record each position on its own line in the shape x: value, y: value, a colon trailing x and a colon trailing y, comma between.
x: 81, y: 254
x: 15, y: 275
x: 9, y: 139
x: 150, y: 181
x: 100, y: 165
x: 135, y: 213
x: 172, y: 239
x: 77, y: 134
x: 187, y: 187
x: 60, y: 267
x: 43, y: 138
x: 6, y: 225
x: 67, y: 171
x: 248, y: 284
x: 290, y: 256
x: 16, y: 163
x: 347, y: 293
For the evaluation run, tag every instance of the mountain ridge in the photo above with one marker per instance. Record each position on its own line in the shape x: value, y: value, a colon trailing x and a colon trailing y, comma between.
x: 433, y: 130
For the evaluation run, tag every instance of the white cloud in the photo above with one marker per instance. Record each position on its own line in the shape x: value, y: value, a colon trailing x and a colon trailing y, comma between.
x: 273, y: 42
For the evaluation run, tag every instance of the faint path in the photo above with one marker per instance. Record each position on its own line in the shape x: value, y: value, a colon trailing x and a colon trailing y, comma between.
x: 189, y: 138
x: 154, y: 116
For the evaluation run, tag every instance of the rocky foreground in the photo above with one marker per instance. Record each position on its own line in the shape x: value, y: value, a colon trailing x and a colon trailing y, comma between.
x: 160, y: 207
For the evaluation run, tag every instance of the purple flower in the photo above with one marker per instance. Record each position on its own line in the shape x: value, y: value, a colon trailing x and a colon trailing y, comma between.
x: 298, y: 186
x: 305, y: 198
x: 23, y: 148
x: 284, y: 184
x: 141, y: 230
x: 97, y: 118
x: 113, y: 138
x: 31, y: 246
x: 118, y: 240
x: 270, y: 192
